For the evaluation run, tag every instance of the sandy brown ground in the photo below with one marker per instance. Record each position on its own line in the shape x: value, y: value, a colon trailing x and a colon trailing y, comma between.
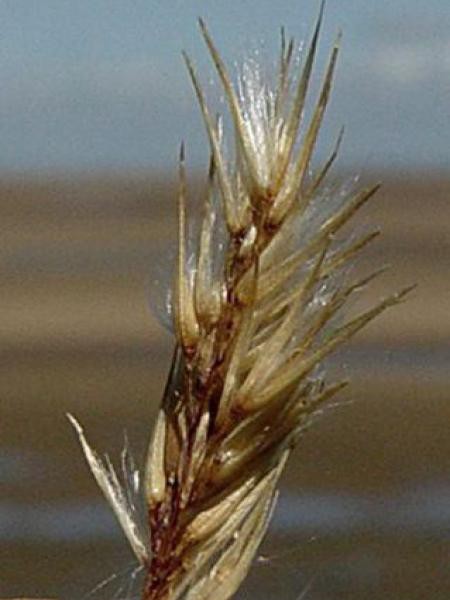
x: 76, y: 334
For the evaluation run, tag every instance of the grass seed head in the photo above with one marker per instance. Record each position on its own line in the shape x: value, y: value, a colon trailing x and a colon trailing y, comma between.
x: 253, y: 323
x: 251, y: 333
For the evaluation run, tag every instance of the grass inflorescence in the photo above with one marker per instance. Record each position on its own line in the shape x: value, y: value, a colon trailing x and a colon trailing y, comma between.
x: 255, y: 316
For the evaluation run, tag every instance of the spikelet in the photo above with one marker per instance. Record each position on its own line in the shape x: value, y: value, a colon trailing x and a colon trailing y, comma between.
x: 252, y: 322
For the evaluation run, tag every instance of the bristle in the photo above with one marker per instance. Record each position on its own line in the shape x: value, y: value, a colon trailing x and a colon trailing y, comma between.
x: 298, y: 293
x: 293, y: 121
x: 219, y: 161
x: 322, y: 172
x: 292, y: 186
x: 346, y: 213
x: 348, y: 253
x: 283, y: 75
x: 311, y: 136
x: 233, y: 102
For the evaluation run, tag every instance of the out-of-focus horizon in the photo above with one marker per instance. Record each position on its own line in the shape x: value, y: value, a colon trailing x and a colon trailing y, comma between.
x: 100, y: 86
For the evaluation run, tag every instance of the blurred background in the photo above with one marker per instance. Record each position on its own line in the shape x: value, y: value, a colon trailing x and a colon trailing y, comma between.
x: 94, y: 101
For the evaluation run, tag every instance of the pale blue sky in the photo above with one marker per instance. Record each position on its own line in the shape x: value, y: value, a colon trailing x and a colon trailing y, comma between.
x: 95, y: 84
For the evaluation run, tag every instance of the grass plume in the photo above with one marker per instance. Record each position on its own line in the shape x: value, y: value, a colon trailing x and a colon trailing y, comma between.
x: 255, y: 312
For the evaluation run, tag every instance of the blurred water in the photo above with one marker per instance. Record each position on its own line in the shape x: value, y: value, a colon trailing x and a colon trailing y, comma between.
x: 423, y: 510
x: 364, y: 512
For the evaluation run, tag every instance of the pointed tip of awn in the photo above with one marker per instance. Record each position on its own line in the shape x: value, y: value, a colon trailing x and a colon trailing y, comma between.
x: 75, y: 423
